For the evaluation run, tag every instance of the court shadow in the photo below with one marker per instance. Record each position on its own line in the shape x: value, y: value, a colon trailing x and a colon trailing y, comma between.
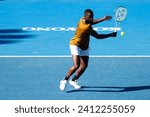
x: 16, y: 36
x: 12, y: 31
x: 9, y: 41
x: 11, y: 36
x: 12, y: 39
x: 110, y: 89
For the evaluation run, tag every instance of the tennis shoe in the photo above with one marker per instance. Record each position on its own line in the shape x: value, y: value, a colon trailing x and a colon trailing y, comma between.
x: 74, y: 84
x: 63, y: 84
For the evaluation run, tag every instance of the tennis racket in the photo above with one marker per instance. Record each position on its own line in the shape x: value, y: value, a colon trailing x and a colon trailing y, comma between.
x: 120, y: 16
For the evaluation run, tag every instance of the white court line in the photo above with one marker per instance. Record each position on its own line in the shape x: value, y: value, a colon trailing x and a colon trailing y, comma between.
x: 68, y: 56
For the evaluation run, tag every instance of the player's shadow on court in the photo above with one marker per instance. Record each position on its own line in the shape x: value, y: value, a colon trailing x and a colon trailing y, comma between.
x: 109, y: 89
x: 10, y: 36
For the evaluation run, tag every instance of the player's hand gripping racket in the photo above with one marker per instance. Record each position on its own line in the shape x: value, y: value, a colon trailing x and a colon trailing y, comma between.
x: 120, y: 16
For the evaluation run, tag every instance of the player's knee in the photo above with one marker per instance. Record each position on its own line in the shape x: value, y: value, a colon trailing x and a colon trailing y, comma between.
x: 75, y: 67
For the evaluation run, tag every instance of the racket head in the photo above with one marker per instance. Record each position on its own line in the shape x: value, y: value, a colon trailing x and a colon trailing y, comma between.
x: 120, y: 13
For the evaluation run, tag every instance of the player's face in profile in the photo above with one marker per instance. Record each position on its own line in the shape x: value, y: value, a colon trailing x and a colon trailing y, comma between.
x: 88, y: 17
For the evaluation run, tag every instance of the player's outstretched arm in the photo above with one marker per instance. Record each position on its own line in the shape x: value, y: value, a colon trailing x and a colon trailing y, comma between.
x: 103, y: 36
x: 96, y: 21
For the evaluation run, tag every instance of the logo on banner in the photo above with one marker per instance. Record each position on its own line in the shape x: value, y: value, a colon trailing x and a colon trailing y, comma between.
x: 66, y: 28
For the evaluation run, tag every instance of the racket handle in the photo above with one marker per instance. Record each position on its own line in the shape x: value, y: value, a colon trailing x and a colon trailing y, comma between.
x: 115, y: 30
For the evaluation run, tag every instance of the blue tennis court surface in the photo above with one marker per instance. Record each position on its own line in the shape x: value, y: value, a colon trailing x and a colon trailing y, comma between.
x: 44, y: 28
x: 106, y: 78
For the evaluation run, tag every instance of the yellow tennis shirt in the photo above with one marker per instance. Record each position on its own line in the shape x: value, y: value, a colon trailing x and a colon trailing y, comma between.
x: 82, y: 35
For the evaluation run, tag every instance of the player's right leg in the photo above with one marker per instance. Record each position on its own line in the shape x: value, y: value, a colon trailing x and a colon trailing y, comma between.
x: 83, y: 65
x: 76, y: 62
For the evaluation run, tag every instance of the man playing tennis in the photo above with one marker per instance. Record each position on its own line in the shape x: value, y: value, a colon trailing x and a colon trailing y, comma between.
x: 79, y: 47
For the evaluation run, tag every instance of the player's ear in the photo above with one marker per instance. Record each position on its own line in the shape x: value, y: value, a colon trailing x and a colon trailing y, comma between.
x: 91, y: 19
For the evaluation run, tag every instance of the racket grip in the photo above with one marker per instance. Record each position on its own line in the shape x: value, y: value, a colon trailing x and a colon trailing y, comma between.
x: 115, y: 30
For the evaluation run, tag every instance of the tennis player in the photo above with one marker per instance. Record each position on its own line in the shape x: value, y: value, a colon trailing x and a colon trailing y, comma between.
x: 79, y: 47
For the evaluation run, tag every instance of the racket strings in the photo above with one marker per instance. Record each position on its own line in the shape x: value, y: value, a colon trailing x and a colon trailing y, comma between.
x: 120, y: 16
